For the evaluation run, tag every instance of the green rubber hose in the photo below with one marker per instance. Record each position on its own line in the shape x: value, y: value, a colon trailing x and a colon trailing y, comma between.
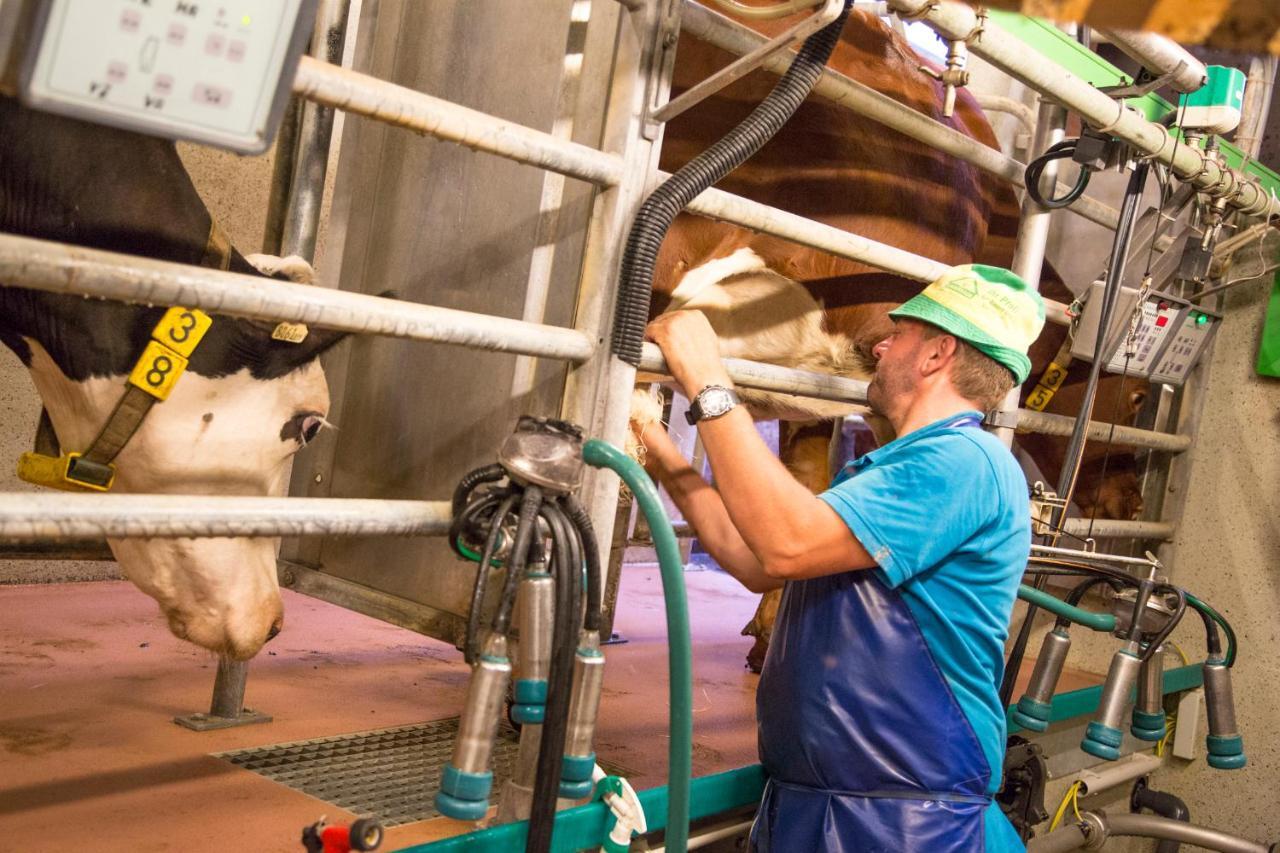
x: 601, y: 454
x: 1058, y: 607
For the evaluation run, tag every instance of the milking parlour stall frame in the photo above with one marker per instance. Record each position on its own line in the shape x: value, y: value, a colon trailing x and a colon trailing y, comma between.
x: 615, y: 167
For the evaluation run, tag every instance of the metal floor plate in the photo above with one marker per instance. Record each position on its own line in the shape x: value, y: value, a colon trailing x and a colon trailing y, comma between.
x: 391, y: 774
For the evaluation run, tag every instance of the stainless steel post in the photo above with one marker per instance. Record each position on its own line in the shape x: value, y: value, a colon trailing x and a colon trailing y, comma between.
x: 315, y: 132
x: 226, y: 710
x: 1033, y: 230
x: 598, y: 392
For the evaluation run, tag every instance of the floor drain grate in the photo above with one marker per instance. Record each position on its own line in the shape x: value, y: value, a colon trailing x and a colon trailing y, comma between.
x: 391, y: 774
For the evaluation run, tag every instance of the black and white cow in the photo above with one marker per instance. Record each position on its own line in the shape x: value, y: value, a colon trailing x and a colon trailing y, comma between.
x: 246, y: 404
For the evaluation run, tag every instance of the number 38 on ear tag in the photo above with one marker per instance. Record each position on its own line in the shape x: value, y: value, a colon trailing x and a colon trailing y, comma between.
x: 165, y: 359
x: 180, y: 329
x: 158, y: 370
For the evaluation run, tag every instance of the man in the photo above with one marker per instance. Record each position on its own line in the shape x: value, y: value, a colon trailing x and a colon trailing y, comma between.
x: 879, y: 721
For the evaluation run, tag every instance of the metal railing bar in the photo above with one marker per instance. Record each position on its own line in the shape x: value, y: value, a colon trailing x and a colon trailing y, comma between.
x: 61, y: 268
x: 397, y: 105
x: 30, y: 518
x: 1049, y: 424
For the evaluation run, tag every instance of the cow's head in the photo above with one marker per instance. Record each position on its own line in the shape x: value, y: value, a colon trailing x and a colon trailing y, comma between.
x: 230, y: 427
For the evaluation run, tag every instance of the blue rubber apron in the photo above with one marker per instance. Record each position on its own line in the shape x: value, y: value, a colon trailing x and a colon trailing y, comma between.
x: 865, y: 745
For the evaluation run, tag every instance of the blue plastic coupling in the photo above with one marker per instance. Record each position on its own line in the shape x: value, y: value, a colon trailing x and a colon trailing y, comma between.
x: 1147, y: 725
x: 1032, y: 714
x: 463, y: 796
x: 575, y: 776
x: 1226, y: 752
x: 530, y: 706
x: 1102, y: 741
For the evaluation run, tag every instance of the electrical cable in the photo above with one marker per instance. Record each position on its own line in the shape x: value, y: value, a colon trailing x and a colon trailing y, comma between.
x: 559, y: 680
x: 472, y: 647
x: 466, y: 523
x: 1035, y: 170
x: 591, y: 551
x: 526, y: 523
x: 1176, y: 617
x: 488, y: 474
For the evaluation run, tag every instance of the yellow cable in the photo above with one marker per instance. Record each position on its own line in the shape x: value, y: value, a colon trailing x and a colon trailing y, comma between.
x: 1186, y: 661
x: 1075, y: 801
x: 1067, y: 798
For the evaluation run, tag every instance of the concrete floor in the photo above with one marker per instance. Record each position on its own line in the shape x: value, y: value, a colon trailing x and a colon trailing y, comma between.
x: 90, y: 679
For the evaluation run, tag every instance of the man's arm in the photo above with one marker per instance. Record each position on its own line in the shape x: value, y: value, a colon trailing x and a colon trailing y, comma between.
x: 703, y: 508
x: 787, y: 529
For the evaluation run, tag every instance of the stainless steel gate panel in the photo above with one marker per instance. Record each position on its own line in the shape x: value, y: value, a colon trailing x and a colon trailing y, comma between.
x: 438, y: 224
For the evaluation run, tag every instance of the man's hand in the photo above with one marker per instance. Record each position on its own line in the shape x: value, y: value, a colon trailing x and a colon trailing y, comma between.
x: 691, y: 348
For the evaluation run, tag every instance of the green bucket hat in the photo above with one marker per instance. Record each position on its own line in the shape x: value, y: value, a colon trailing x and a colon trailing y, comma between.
x: 988, y: 307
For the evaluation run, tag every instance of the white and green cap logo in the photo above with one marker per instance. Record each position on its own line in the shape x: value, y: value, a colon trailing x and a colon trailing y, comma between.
x: 988, y: 307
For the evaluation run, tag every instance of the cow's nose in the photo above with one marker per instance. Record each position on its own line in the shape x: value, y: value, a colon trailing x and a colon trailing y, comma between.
x: 275, y: 629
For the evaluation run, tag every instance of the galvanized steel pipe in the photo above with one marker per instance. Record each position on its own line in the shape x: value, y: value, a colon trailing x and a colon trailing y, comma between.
x: 397, y: 105
x: 60, y: 268
x: 377, y: 99
x: 41, y: 517
x: 1161, y: 55
x: 1049, y: 424
x: 957, y: 21
x: 1112, y: 529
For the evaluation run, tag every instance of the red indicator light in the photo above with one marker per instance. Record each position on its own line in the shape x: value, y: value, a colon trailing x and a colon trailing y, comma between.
x: 1162, y: 320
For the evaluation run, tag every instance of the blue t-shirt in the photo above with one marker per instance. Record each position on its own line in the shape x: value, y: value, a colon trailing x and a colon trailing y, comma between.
x: 944, y: 513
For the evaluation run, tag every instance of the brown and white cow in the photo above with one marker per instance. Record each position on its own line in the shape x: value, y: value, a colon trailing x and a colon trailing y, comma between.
x: 244, y: 407
x: 838, y: 168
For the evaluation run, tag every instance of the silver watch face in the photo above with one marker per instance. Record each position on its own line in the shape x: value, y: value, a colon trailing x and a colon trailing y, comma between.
x: 715, y: 402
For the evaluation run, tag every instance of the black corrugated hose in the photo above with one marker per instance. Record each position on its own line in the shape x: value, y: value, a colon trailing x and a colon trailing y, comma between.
x: 661, y: 208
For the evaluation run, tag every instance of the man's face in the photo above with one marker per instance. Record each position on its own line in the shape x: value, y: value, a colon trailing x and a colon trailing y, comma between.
x: 896, y: 375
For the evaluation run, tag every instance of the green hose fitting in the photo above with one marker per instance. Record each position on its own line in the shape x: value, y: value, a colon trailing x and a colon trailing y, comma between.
x: 1096, y: 621
x: 600, y: 454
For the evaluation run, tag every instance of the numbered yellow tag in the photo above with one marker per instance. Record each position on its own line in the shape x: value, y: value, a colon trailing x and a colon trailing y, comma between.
x: 1039, y: 398
x: 157, y: 370
x: 180, y: 329
x: 294, y: 333
x: 1054, y: 375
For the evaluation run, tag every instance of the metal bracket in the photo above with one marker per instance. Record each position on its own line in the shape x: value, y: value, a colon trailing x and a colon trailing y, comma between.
x: 1138, y: 88
x: 1044, y: 503
x: 1001, y: 419
x: 746, y: 64
x: 955, y: 75
x: 662, y: 59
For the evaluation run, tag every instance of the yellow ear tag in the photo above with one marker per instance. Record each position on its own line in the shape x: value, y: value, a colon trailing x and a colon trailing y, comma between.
x: 181, y: 329
x: 294, y: 333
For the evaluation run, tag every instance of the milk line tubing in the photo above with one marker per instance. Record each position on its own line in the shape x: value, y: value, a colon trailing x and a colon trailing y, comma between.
x: 523, y: 511
x: 1138, y: 663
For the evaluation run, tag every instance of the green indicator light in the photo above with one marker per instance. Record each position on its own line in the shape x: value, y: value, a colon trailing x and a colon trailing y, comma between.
x: 1201, y: 319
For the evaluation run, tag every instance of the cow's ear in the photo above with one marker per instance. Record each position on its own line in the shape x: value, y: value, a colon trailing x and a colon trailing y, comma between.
x: 291, y: 356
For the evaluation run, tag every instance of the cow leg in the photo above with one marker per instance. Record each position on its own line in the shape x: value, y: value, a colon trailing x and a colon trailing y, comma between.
x: 805, y: 449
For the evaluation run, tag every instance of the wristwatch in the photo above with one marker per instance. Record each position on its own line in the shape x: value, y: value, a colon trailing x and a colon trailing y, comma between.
x: 711, y: 402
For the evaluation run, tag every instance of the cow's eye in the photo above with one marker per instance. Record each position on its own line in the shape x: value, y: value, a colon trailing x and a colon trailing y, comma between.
x: 303, y: 427
x: 310, y: 427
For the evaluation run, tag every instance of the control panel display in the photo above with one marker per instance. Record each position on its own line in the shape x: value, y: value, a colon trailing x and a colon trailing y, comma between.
x: 212, y: 71
x: 1186, y: 343
x: 1154, y: 327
